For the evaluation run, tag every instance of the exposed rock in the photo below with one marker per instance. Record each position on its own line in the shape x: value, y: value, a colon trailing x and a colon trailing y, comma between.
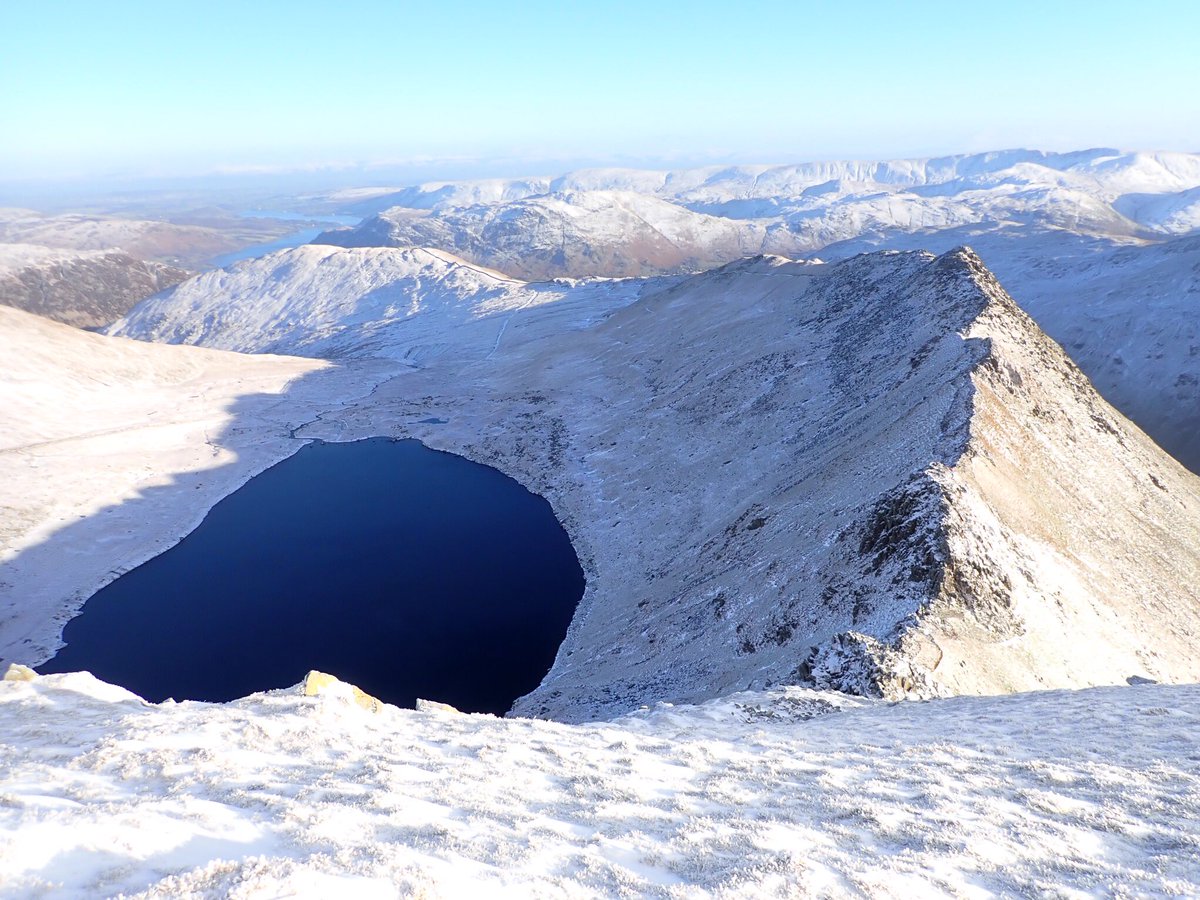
x: 320, y: 684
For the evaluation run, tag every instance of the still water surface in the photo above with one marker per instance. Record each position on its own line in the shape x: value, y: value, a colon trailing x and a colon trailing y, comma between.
x: 409, y: 572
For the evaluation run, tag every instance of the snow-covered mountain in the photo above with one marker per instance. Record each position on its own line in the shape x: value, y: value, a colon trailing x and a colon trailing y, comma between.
x: 1094, y: 245
x: 87, y: 289
x: 575, y: 234
x: 781, y: 793
x: 1094, y: 191
x: 323, y: 301
x: 1128, y: 313
x: 877, y: 475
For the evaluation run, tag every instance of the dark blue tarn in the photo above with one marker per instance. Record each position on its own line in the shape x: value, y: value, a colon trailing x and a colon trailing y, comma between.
x: 406, y: 571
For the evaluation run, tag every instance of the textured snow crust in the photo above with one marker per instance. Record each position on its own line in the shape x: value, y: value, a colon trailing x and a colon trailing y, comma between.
x: 876, y: 476
x: 780, y: 793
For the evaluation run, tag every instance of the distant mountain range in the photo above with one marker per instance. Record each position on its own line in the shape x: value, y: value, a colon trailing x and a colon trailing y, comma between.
x: 88, y: 270
x: 1099, y: 246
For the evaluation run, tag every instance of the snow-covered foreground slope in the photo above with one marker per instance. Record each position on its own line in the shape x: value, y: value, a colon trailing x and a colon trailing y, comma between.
x: 875, y: 476
x: 112, y: 450
x: 787, y: 792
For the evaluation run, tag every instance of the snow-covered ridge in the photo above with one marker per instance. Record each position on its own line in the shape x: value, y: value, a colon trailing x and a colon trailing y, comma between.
x: 1079, y: 239
x: 890, y: 480
x: 576, y: 234
x: 408, y: 304
x: 781, y: 792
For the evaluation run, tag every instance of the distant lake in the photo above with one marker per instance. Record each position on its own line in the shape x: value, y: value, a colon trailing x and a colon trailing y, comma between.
x: 294, y: 239
x: 285, y: 216
x: 409, y: 572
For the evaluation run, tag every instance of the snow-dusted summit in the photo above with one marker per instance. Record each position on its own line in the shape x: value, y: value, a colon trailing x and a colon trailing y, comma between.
x: 323, y: 301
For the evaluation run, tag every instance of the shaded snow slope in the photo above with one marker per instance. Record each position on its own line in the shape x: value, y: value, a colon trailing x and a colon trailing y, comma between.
x: 875, y: 476
x: 787, y: 792
x: 87, y: 289
x: 112, y: 450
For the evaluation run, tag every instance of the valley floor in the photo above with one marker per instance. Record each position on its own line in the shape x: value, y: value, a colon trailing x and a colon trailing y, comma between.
x: 788, y: 792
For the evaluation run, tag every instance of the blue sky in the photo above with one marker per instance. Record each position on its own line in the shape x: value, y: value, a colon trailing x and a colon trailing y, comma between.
x: 94, y: 89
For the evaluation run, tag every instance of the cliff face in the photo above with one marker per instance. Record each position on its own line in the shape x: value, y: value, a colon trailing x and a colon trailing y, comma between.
x: 876, y: 475
x: 1061, y: 548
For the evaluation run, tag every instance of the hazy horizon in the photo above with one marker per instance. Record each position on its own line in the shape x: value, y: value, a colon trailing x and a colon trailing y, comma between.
x: 127, y: 95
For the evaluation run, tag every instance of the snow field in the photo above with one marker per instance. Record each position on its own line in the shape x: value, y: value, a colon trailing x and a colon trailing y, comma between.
x: 786, y: 792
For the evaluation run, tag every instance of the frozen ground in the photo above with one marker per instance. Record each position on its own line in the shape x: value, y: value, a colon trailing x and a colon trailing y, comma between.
x: 1092, y: 793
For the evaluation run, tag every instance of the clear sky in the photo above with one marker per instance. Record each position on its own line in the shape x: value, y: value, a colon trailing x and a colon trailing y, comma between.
x: 179, y: 87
